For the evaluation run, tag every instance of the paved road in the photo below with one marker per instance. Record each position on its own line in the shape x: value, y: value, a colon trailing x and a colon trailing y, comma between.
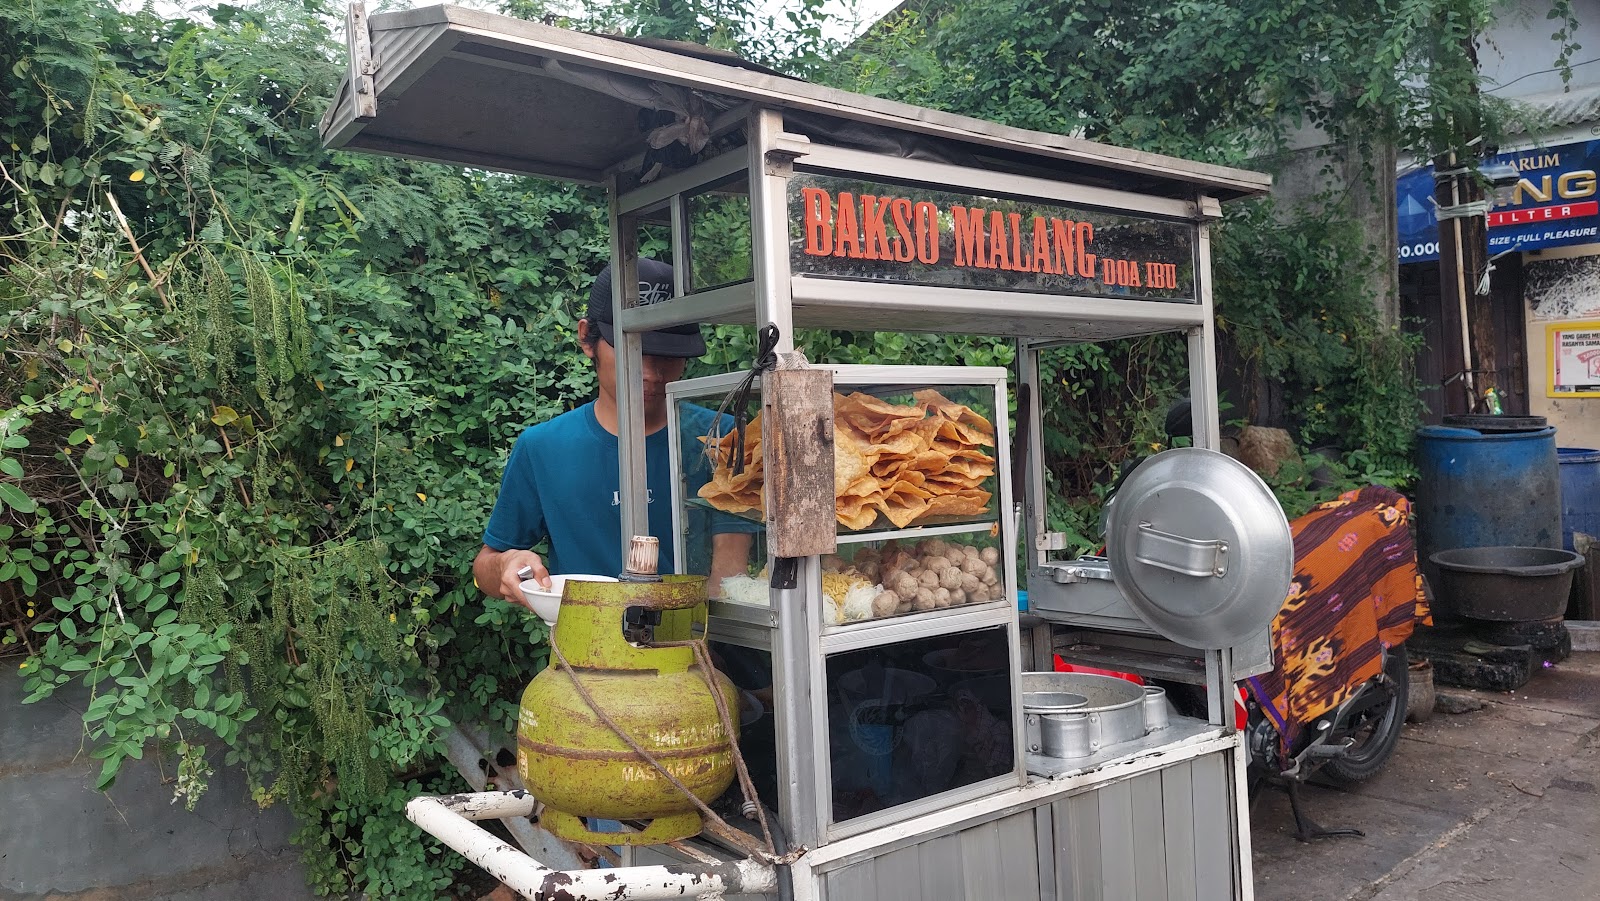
x: 1501, y: 803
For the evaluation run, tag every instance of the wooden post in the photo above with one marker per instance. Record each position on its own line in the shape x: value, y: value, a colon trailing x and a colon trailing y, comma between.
x: 797, y: 439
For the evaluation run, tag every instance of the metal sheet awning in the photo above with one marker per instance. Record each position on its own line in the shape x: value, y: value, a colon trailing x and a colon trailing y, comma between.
x: 457, y: 85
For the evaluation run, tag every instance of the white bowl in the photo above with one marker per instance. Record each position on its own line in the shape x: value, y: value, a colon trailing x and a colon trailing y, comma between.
x: 548, y: 603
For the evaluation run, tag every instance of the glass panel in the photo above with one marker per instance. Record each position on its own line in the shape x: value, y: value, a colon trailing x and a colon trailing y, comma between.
x: 905, y: 456
x: 751, y: 672
x: 719, y: 242
x: 873, y: 580
x: 716, y: 543
x: 908, y: 459
x: 851, y: 228
x: 910, y: 720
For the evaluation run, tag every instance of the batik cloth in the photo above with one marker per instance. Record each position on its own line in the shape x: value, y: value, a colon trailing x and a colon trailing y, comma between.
x: 1356, y: 591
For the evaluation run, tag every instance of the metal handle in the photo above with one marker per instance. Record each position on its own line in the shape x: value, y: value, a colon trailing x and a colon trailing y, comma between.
x: 1198, y: 557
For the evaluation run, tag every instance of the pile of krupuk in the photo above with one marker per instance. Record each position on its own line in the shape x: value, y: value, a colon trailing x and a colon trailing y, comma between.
x: 909, y: 463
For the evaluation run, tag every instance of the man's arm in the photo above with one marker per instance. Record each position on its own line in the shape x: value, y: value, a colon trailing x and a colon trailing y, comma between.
x: 496, y: 573
x: 730, y: 556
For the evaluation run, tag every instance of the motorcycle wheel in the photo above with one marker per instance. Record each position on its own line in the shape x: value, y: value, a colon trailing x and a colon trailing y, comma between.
x: 1379, y: 735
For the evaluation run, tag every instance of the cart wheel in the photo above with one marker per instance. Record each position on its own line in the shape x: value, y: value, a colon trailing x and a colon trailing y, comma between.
x: 1378, y: 736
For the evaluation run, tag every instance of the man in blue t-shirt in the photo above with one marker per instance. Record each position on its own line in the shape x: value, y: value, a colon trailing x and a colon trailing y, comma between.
x: 562, y: 480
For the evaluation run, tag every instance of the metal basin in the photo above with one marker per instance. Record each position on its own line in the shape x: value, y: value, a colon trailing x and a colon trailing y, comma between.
x: 1078, y: 714
x: 1506, y: 584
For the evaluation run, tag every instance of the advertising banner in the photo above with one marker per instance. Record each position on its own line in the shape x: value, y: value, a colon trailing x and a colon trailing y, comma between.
x: 1555, y: 204
x: 1574, y: 352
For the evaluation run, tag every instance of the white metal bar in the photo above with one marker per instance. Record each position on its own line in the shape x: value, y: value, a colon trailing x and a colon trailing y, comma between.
x: 1038, y: 522
x: 1008, y: 554
x: 769, y: 224
x: 686, y: 182
x: 796, y: 658
x: 633, y: 478
x: 1203, y: 353
x: 682, y: 256
x: 847, y: 374
x: 1058, y: 308
x: 916, y: 532
x: 1241, y: 822
x: 450, y: 819
x: 467, y: 755
x: 732, y: 303
x: 928, y: 624
x: 960, y: 179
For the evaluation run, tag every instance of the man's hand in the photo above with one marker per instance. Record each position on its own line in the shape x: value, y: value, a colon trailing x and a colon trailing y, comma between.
x: 496, y: 572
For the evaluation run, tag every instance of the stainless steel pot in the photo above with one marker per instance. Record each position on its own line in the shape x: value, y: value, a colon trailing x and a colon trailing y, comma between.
x: 1113, y: 711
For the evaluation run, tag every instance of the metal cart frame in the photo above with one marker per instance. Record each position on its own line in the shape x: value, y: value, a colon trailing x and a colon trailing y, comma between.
x: 1163, y: 818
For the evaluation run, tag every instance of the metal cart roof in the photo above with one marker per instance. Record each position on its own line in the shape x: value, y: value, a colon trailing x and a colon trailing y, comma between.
x: 457, y: 85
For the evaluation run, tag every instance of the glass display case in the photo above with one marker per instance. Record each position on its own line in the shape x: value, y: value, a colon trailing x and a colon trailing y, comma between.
x: 917, y: 482
x: 914, y: 612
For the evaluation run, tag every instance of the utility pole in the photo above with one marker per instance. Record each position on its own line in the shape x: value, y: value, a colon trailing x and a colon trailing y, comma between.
x: 1463, y: 258
x: 1463, y: 282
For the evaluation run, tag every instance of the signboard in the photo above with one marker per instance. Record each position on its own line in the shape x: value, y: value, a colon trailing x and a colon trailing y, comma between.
x: 1555, y: 204
x: 1574, y: 354
x: 850, y: 228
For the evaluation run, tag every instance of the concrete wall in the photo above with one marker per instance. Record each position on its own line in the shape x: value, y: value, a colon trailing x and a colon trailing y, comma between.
x: 1516, y: 57
x: 1315, y: 172
x: 63, y: 841
x: 1563, y: 285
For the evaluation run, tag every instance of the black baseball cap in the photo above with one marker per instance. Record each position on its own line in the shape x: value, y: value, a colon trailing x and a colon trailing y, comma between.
x: 655, y: 285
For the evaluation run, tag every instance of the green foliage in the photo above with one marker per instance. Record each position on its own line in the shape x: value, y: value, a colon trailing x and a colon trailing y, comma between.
x: 239, y: 491
x: 1204, y: 79
x: 1297, y: 314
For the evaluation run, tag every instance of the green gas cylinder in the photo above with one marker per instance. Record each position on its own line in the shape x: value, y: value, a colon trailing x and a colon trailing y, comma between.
x: 577, y: 765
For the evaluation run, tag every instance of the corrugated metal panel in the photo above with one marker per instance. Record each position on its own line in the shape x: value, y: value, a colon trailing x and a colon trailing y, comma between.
x: 1178, y: 826
x: 1045, y: 846
x: 981, y: 871
x: 1213, y: 849
x: 395, y: 49
x: 851, y: 883
x: 940, y: 869
x: 898, y: 876
x: 1557, y: 109
x: 1150, y: 867
x: 1165, y: 835
x: 1078, y: 844
x: 998, y: 860
x: 1115, y: 802
x: 1019, y: 857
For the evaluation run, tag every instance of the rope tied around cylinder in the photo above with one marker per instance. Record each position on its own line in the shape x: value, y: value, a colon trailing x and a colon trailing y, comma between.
x: 739, y: 839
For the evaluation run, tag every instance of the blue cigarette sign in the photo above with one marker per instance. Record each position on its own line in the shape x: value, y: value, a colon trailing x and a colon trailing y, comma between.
x: 1555, y: 204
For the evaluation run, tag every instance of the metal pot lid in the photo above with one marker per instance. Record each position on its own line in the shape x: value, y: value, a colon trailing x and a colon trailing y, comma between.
x: 1200, y: 548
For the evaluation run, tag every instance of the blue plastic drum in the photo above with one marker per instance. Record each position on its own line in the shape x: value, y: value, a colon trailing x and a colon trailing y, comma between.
x: 1486, y: 489
x: 1580, y: 492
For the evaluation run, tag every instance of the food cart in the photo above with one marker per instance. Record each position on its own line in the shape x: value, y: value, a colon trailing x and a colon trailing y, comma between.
x: 895, y: 518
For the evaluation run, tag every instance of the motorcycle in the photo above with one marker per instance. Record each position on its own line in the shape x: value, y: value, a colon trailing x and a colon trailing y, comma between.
x: 1334, y: 703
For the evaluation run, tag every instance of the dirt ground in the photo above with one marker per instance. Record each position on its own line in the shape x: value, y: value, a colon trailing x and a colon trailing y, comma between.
x: 1498, y: 803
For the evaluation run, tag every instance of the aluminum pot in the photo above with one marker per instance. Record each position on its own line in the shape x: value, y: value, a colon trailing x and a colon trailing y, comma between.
x: 1113, y: 712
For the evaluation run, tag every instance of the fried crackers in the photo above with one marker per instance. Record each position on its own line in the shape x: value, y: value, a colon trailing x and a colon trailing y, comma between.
x: 907, y: 463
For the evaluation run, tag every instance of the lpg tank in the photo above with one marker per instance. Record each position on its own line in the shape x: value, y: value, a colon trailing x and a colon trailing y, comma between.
x: 571, y: 759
